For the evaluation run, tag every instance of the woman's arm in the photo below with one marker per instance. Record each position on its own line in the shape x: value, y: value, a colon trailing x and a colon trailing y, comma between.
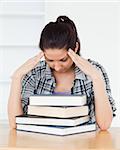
x: 14, y: 101
x: 103, y: 110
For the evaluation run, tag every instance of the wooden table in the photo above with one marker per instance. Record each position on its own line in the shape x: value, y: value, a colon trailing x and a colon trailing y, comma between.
x: 19, y: 140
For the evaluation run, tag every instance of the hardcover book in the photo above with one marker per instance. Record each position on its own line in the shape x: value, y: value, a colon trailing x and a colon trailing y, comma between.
x: 61, y: 112
x: 37, y: 120
x: 53, y: 100
x: 57, y: 130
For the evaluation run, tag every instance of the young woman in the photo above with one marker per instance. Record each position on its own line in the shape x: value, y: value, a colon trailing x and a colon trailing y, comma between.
x: 63, y: 71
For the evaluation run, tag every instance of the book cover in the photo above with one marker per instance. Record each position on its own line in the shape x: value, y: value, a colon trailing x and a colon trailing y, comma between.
x: 53, y: 100
x: 37, y: 120
x: 55, y: 130
x: 61, y: 112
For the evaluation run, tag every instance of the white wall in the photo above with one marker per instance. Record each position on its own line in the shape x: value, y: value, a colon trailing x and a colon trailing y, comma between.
x: 98, y: 25
x: 20, y: 25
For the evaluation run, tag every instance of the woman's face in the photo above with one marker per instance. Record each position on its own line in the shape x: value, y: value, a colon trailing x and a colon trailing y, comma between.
x: 58, y: 59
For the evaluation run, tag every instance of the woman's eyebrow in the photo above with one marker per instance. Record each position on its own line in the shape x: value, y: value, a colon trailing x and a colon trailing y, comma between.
x: 46, y: 58
x: 59, y: 60
x: 64, y: 58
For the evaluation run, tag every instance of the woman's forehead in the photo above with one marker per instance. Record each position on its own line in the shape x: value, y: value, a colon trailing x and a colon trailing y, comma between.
x: 56, y: 54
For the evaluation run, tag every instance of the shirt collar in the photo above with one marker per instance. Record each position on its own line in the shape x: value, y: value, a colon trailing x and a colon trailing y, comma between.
x: 48, y: 72
x: 79, y: 74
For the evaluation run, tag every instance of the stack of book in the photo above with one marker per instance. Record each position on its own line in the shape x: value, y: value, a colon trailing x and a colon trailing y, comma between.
x: 58, y: 115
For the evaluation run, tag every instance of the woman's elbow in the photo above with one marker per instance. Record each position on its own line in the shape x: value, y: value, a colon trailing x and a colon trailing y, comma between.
x: 13, y: 126
x: 105, y: 124
x: 104, y: 127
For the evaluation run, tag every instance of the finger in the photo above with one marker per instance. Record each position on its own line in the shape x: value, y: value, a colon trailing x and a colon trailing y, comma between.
x: 73, y: 55
x: 79, y: 58
x: 38, y: 56
x: 74, y: 60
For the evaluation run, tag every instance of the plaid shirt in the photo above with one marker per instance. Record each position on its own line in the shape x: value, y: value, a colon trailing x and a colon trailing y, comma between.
x: 40, y: 81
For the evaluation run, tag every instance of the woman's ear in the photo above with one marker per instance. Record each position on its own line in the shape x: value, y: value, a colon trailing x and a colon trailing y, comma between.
x: 76, y: 48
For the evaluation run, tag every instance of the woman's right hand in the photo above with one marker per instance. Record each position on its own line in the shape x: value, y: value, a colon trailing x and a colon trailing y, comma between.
x: 27, y: 66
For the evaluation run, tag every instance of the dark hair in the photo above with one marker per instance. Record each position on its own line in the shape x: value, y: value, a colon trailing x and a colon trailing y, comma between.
x: 59, y: 34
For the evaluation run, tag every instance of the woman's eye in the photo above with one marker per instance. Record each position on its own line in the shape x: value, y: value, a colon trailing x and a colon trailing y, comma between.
x: 50, y: 60
x: 64, y: 60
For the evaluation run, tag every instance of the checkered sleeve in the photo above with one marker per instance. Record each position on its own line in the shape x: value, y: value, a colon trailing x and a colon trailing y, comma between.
x: 108, y: 89
x: 91, y: 106
x: 28, y: 87
x: 91, y: 103
x: 107, y: 83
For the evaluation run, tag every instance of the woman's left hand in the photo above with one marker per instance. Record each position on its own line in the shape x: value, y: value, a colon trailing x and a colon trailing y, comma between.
x: 83, y: 64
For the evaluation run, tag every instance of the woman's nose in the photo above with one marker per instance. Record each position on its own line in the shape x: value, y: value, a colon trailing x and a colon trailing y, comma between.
x: 57, y: 66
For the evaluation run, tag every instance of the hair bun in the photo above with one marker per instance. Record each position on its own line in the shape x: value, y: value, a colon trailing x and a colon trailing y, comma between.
x: 63, y: 19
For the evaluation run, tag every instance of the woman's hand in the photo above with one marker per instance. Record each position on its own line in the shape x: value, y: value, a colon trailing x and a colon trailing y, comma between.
x: 28, y: 65
x: 83, y: 64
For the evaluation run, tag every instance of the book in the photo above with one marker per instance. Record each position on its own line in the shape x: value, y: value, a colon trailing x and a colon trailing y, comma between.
x: 37, y: 120
x: 60, y: 112
x: 53, y: 100
x: 57, y: 130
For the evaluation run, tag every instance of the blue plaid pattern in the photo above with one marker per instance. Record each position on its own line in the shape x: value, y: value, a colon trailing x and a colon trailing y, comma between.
x: 40, y: 81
